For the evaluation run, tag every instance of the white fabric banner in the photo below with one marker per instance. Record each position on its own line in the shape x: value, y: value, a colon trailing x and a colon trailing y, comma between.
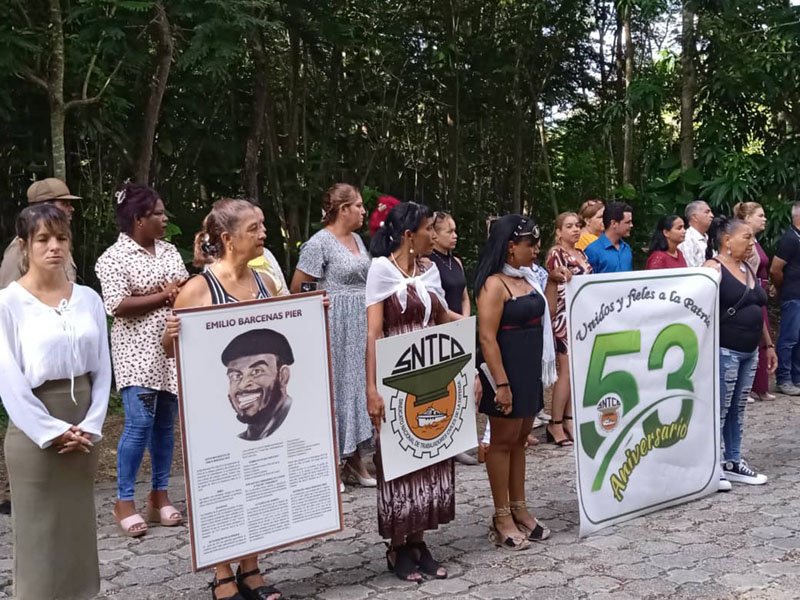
x: 426, y: 379
x: 644, y: 369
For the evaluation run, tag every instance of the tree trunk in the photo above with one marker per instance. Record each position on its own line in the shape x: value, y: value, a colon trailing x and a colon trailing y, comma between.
x: 454, y: 118
x: 164, y: 52
x: 255, y: 137
x: 546, y: 160
x: 627, y: 159
x: 55, y: 91
x: 519, y: 121
x: 688, y: 82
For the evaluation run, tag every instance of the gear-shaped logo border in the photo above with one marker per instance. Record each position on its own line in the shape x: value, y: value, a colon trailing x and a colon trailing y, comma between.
x: 402, y: 431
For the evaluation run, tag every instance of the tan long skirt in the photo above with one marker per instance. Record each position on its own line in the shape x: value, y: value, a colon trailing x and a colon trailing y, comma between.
x: 53, y: 514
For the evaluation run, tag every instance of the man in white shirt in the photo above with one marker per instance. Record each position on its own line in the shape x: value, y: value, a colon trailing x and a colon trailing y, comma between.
x: 698, y: 219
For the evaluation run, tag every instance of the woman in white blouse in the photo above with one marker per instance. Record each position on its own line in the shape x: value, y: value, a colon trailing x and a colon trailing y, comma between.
x: 55, y: 376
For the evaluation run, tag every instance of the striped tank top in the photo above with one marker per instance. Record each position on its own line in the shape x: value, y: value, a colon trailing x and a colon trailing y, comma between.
x: 219, y: 295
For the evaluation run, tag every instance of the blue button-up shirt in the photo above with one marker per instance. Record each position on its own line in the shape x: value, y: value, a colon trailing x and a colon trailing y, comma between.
x: 606, y: 258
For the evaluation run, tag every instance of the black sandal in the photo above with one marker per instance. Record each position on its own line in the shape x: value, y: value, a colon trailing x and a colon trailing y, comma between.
x: 218, y: 582
x: 404, y: 564
x: 260, y: 593
x: 565, y: 442
x: 427, y: 564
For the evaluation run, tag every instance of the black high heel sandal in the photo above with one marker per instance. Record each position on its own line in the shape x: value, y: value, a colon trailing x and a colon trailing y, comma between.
x: 404, y: 564
x: 427, y: 564
x: 567, y: 433
x: 566, y: 441
x: 260, y: 593
x: 218, y: 582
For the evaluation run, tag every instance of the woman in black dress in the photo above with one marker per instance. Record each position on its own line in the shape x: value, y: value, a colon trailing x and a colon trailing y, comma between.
x: 454, y: 281
x: 516, y: 338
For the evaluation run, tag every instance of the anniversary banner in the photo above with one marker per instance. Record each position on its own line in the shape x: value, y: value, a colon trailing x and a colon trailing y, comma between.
x: 426, y: 379
x: 259, y: 445
x: 643, y: 350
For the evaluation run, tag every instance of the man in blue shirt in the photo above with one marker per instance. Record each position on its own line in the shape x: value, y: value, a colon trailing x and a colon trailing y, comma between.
x: 610, y: 253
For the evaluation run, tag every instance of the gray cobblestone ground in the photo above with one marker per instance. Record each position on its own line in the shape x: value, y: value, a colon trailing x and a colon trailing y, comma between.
x: 743, y: 544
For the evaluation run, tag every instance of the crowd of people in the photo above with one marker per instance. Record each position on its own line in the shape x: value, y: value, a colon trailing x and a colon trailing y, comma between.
x: 56, y: 360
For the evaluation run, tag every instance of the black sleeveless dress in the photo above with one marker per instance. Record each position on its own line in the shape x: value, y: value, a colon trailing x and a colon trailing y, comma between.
x: 453, y: 279
x: 520, y: 340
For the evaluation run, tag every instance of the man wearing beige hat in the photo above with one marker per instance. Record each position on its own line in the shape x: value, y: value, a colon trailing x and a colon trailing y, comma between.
x: 47, y: 190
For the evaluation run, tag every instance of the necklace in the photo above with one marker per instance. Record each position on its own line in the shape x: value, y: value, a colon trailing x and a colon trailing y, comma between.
x: 253, y: 293
x: 414, y: 273
x: 442, y: 256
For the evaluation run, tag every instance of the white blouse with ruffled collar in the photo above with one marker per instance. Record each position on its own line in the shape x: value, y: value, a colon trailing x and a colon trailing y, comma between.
x: 39, y: 343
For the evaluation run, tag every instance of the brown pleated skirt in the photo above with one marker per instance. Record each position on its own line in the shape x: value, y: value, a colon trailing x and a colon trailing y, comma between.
x: 53, y: 514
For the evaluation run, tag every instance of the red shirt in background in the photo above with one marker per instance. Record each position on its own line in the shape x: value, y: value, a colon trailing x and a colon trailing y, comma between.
x: 662, y: 260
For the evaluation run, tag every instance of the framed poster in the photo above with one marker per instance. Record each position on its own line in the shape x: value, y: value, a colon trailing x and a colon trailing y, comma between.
x: 644, y: 369
x: 257, y: 426
x: 426, y: 379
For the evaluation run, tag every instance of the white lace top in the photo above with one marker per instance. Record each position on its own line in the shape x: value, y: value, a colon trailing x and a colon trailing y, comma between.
x: 39, y: 343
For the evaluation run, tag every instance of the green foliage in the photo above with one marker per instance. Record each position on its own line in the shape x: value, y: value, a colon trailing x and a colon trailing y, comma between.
x: 438, y: 102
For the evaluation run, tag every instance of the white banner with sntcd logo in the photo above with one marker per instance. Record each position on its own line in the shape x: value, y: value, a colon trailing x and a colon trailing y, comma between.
x: 426, y: 379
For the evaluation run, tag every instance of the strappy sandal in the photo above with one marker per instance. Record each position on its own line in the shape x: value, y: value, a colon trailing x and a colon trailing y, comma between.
x: 126, y: 525
x: 539, y: 533
x: 164, y: 515
x: 427, y: 564
x: 567, y: 433
x: 262, y: 592
x: 218, y: 582
x: 564, y: 442
x: 404, y: 564
x: 511, y: 543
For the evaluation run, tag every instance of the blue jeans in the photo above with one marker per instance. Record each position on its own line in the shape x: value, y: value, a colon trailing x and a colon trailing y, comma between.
x: 788, y: 347
x: 149, y: 423
x: 736, y: 373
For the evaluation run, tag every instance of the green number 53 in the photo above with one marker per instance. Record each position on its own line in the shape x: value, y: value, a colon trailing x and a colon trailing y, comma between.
x: 623, y: 383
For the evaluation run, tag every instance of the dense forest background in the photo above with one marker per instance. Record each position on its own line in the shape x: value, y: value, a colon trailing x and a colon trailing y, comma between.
x: 479, y: 107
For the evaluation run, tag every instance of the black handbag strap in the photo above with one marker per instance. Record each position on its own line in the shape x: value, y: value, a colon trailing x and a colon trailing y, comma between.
x: 732, y: 310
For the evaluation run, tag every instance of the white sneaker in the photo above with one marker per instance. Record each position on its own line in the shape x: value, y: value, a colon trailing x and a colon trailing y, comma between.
x: 537, y: 422
x: 751, y: 400
x: 741, y: 473
x: 724, y: 484
x: 544, y: 416
x: 789, y: 389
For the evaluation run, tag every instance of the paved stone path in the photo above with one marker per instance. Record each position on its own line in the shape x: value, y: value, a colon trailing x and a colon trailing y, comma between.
x: 743, y: 544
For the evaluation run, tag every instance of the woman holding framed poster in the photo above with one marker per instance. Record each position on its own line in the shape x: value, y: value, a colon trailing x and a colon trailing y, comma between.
x: 404, y: 293
x: 233, y: 234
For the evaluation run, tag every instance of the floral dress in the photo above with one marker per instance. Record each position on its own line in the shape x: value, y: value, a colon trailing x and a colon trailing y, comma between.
x: 343, y: 275
x: 558, y: 257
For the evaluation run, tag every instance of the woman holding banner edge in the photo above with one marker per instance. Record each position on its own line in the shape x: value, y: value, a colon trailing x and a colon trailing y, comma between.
x: 518, y: 346
x: 741, y: 326
x: 404, y: 293
x: 233, y: 234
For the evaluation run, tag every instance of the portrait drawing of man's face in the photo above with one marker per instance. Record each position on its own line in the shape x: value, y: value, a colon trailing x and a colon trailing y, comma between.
x: 257, y: 366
